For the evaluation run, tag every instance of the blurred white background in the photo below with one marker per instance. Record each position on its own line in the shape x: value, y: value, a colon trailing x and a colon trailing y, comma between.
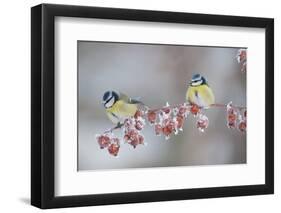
x: 15, y: 106
x: 157, y: 74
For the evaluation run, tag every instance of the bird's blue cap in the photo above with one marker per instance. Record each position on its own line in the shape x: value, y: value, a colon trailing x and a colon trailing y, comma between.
x: 106, y: 95
x: 196, y: 77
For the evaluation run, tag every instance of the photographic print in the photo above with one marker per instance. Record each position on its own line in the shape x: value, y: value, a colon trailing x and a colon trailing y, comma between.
x: 158, y: 105
x: 148, y: 114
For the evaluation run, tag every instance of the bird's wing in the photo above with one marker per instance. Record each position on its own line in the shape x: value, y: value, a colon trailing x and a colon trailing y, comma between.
x: 130, y: 100
x: 124, y: 97
x: 135, y: 100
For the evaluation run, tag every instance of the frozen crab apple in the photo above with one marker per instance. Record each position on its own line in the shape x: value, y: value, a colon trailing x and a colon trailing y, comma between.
x: 151, y: 117
x: 231, y: 116
x: 242, y: 59
x: 169, y: 126
x: 242, y: 126
x: 194, y: 109
x: 103, y: 140
x: 133, y: 137
x: 202, y: 122
x: 113, y: 148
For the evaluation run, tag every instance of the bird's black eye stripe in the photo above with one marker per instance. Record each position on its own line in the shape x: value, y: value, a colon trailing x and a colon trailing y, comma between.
x: 108, y: 100
x: 194, y: 81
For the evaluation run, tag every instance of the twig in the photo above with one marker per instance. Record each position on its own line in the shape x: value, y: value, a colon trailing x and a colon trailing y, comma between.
x: 120, y: 125
x: 225, y: 105
x: 212, y: 105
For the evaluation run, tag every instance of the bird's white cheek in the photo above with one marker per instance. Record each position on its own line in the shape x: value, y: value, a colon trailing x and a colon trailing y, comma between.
x: 110, y: 103
x: 197, y: 83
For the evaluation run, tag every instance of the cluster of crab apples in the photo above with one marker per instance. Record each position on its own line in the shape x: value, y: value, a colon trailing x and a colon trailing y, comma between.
x: 166, y: 121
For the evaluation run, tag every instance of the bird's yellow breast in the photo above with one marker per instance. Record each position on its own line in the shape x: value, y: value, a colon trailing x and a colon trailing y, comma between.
x: 201, y: 95
x: 121, y: 110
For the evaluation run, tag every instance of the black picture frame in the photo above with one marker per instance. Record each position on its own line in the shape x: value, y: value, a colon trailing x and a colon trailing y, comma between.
x: 43, y: 102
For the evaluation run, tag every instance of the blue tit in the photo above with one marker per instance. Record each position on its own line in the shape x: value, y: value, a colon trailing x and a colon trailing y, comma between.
x: 119, y: 106
x: 199, y: 92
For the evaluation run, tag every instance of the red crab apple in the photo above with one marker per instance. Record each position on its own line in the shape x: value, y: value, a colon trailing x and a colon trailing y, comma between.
x: 138, y: 114
x: 169, y: 126
x: 151, y: 117
x: 180, y: 122
x: 113, y: 148
x: 103, y: 141
x: 182, y: 110
x: 194, y: 109
x: 158, y: 129
x: 242, y: 126
x: 202, y: 122
x: 139, y: 125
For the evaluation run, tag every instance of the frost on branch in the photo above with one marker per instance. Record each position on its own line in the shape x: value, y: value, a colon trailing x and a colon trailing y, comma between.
x: 231, y: 116
x: 242, y: 59
x: 236, y: 118
x: 242, y: 123
x: 167, y: 121
x: 107, y: 140
x: 202, y: 122
x: 114, y: 147
x: 132, y: 129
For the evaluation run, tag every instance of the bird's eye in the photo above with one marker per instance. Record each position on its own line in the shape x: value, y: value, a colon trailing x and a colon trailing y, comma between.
x: 196, y: 82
